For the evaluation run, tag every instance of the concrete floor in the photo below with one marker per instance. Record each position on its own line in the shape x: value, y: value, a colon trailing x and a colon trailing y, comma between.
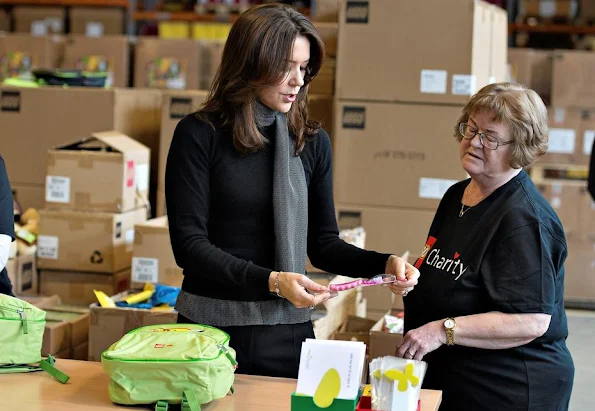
x: 581, y: 343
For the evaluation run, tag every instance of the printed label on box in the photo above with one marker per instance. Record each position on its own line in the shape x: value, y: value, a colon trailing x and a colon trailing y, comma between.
x: 559, y: 115
x: 434, y: 188
x: 463, y: 84
x: 39, y: 28
x: 357, y: 12
x: 129, y: 239
x: 57, y: 189
x: 556, y: 202
x: 145, y: 270
x: 354, y: 117
x: 168, y: 73
x: 47, y: 247
x: 94, y: 29
x: 142, y: 177
x: 561, y: 141
x: 433, y: 81
x: 588, y: 139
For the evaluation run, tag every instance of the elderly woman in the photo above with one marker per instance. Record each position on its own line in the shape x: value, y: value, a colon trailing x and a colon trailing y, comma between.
x: 487, y: 314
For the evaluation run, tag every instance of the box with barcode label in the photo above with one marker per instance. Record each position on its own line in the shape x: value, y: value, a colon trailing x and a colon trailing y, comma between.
x: 107, y: 172
x: 153, y: 259
x: 85, y: 241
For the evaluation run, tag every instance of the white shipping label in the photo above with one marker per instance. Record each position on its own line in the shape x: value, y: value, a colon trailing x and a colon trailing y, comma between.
x: 463, y: 84
x: 588, y: 139
x: 434, y: 187
x: 145, y: 270
x: 433, y: 81
x: 142, y: 177
x: 47, y: 247
x: 57, y: 189
x: 559, y: 115
x: 129, y: 239
x: 94, y: 29
x: 556, y: 202
x: 39, y: 28
x: 561, y: 141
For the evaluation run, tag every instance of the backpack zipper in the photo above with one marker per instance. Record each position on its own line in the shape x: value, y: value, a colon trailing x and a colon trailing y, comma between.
x: 228, y: 355
x: 21, y: 313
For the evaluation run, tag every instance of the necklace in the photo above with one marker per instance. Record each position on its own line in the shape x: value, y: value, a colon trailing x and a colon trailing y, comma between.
x: 464, y: 208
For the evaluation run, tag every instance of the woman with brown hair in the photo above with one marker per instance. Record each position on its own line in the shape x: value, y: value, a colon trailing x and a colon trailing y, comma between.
x: 249, y: 195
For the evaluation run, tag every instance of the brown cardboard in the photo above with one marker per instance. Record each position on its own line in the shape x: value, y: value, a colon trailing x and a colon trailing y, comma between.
x: 328, y: 32
x: 56, y: 337
x: 22, y: 271
x: 167, y: 63
x: 27, y: 53
x: 76, y: 288
x: 153, y: 259
x: 572, y: 84
x: 499, y: 44
x: 388, y: 230
x: 43, y: 118
x: 579, y: 280
x: 444, y: 65
x: 565, y: 200
x: 92, y: 242
x: 41, y: 301
x: 80, y: 352
x: 108, y: 325
x: 161, y: 207
x: 326, y: 10
x: 320, y: 108
x: 382, y: 343
x: 533, y: 68
x: 587, y: 11
x: 586, y: 217
x: 412, y: 146
x: 175, y: 105
x: 564, y: 138
x: 324, y: 82
x: 77, y: 321
x: 107, y: 171
x: 96, y: 21
x: 211, y: 55
x: 29, y: 195
x: 586, y: 134
x: 535, y: 8
x: 108, y: 53
x: 4, y: 20
x: 39, y: 21
x: 355, y: 329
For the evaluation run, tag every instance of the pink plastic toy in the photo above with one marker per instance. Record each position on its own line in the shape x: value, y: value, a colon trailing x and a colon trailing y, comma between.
x: 376, y: 280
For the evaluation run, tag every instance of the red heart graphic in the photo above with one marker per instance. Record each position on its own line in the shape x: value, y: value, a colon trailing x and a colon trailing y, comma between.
x: 457, y: 255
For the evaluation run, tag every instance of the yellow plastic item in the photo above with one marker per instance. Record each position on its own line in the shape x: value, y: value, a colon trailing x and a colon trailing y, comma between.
x: 149, y: 287
x: 174, y: 30
x: 139, y: 297
x: 328, y: 389
x: 104, y: 300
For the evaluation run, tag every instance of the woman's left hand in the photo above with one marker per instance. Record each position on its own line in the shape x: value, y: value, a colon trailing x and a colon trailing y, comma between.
x: 420, y: 341
x: 407, y: 275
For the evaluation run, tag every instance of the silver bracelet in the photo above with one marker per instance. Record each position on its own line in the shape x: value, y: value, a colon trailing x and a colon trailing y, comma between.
x: 277, y: 290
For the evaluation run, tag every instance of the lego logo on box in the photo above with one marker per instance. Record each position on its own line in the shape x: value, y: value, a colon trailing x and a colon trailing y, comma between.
x: 357, y: 12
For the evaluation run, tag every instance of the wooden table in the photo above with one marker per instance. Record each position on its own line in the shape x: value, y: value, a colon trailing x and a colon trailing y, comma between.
x: 87, y: 391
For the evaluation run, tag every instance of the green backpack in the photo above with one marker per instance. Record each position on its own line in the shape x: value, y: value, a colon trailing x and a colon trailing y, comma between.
x: 188, y: 364
x: 22, y: 326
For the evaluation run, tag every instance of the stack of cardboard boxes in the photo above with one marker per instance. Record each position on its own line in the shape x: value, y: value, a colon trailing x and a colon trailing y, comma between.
x: 396, y: 110
x: 96, y: 191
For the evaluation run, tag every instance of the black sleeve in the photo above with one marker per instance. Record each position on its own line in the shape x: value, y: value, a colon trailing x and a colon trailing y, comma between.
x: 519, y: 270
x: 187, y: 194
x: 325, y: 249
x: 6, y: 203
x: 592, y: 173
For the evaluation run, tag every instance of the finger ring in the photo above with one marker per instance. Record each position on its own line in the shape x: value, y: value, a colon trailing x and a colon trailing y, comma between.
x: 408, y: 355
x: 312, y: 307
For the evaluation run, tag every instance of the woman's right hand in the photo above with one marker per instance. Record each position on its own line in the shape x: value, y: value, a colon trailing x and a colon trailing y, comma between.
x: 299, y: 289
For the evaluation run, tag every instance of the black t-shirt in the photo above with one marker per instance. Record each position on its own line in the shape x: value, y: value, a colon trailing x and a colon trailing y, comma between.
x: 6, y: 221
x: 505, y: 254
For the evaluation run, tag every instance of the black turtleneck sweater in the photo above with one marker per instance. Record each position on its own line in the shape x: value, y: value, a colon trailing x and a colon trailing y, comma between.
x: 220, y: 212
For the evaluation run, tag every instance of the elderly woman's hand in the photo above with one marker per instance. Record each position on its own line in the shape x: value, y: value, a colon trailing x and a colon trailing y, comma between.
x: 406, y: 274
x: 420, y: 341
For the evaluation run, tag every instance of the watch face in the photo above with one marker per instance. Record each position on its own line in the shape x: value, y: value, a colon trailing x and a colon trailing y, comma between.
x: 449, y: 323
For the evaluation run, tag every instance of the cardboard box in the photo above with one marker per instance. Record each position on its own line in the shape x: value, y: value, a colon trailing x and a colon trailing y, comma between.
x: 382, y: 343
x: 499, y: 45
x: 211, y: 55
x: 586, y: 135
x: 325, y: 10
x: 410, y: 145
x: 108, y: 53
x: 586, y: 215
x: 444, y: 65
x: 167, y: 63
x: 324, y: 82
x: 107, y: 172
x: 533, y: 68
x: 96, y: 21
x: 4, y: 20
x: 76, y: 288
x: 22, y: 272
x: 21, y: 53
x: 320, y: 108
x: 328, y: 32
x: 548, y: 8
x: 572, y: 85
x: 355, y: 329
x: 579, y: 280
x: 153, y: 259
x: 564, y: 141
x: 39, y: 21
x: 108, y: 325
x: 42, y: 118
x: 29, y: 195
x: 93, y: 242
x: 41, y: 301
x: 565, y: 200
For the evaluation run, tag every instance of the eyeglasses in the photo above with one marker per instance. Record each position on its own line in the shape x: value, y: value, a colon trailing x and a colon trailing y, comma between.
x: 487, y: 140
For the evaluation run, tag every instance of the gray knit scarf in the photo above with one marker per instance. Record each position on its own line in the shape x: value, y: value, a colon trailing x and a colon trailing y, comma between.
x: 290, y: 213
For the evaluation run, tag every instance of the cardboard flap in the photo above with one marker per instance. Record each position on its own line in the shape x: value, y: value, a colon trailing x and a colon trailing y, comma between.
x: 107, y: 142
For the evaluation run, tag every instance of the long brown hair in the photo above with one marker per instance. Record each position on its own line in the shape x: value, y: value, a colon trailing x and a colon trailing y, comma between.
x: 255, y: 56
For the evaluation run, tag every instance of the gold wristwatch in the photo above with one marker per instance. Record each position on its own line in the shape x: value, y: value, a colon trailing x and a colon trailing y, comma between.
x: 449, y: 329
